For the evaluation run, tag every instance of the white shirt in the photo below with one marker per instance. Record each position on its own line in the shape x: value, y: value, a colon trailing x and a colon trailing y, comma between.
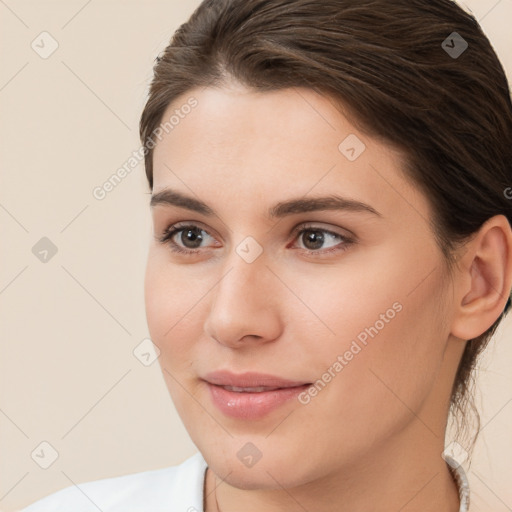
x: 173, y: 489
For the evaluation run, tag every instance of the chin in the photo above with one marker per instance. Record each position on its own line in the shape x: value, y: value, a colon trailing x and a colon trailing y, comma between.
x: 252, y: 478
x: 272, y: 473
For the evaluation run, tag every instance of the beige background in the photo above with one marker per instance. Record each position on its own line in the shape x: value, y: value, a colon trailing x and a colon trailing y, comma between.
x: 69, y: 326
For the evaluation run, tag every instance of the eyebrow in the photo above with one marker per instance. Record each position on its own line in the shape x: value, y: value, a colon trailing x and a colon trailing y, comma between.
x: 170, y: 197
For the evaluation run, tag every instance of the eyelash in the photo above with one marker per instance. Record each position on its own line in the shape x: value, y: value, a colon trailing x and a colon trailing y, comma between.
x: 169, y: 233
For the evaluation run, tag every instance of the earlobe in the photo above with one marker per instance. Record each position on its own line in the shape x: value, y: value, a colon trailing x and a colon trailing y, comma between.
x: 485, y: 279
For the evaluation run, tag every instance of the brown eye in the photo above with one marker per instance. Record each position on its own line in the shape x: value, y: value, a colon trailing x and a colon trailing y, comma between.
x: 319, y: 240
x: 313, y: 239
x: 185, y: 238
x: 191, y: 238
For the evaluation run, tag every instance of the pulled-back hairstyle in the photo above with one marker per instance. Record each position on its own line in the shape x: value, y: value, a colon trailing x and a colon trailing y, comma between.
x: 396, y: 70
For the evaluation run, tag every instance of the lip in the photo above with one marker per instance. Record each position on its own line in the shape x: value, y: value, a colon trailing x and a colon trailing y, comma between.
x: 250, y: 380
x: 251, y: 405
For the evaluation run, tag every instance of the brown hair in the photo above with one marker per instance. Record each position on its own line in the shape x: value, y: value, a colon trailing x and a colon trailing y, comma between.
x: 397, y: 67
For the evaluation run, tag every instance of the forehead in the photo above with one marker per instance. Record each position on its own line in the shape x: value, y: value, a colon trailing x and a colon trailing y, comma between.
x: 263, y: 145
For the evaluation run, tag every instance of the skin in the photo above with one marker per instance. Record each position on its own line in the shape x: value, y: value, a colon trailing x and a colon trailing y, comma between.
x: 375, y: 433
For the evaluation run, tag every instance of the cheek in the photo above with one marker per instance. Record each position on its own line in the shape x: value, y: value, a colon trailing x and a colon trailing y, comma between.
x: 381, y: 345
x: 172, y: 300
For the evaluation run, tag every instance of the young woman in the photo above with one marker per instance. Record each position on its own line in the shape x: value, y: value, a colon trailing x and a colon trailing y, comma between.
x: 330, y: 190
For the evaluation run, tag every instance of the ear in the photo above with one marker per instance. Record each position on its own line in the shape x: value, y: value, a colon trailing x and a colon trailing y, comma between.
x: 484, y: 279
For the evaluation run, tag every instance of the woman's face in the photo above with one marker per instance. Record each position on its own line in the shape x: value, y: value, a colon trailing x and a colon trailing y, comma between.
x: 311, y: 261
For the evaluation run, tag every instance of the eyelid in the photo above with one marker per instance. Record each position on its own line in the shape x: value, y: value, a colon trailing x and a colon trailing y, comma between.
x: 345, y: 240
x: 173, y: 229
x: 176, y: 226
x: 349, y: 235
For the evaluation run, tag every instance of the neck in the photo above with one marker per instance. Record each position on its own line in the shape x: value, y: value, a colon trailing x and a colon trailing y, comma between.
x: 405, y: 475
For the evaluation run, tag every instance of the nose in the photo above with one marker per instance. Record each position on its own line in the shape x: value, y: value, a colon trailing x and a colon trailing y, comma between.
x: 244, y: 305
